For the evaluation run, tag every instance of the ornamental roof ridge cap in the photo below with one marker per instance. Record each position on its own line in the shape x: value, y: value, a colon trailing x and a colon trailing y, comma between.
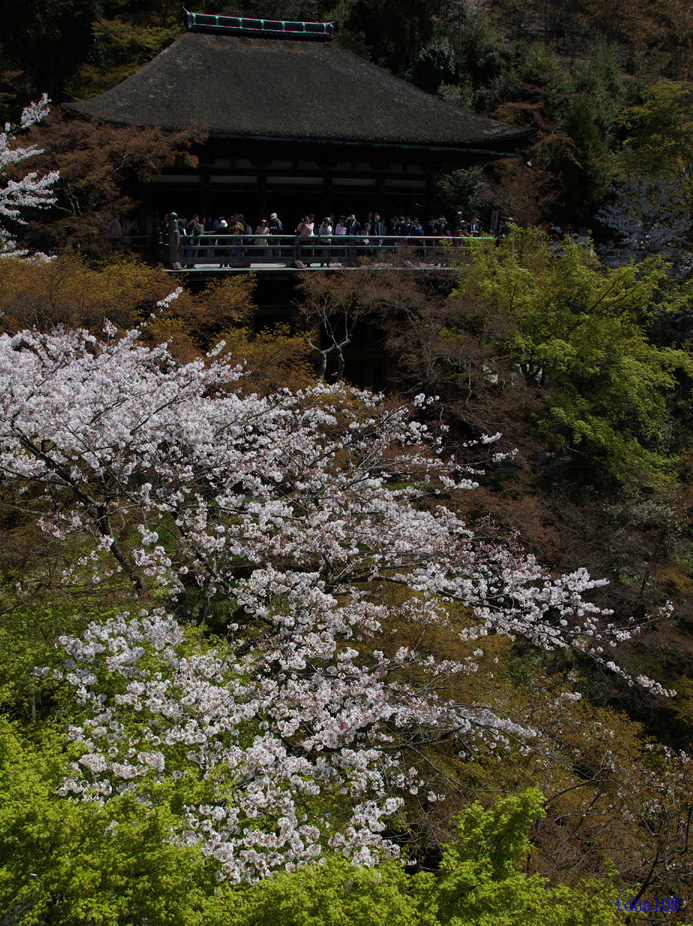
x: 264, y: 28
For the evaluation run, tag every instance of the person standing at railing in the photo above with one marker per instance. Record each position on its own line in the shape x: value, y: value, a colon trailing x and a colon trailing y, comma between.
x: 222, y: 243
x: 193, y: 230
x: 364, y: 249
x: 304, y: 233
x: 325, y: 240
x: 353, y: 228
x: 174, y: 240
x: 182, y: 228
x: 352, y: 224
x: 238, y: 228
x: 442, y: 231
x: 378, y: 229
x: 276, y: 227
x: 416, y: 233
x: 206, y: 252
x: 340, y: 231
x: 260, y: 243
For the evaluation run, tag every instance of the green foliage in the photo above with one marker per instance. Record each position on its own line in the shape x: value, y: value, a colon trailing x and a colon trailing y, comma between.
x: 64, y: 863
x: 599, y: 76
x: 481, y: 55
x: 582, y: 172
x: 572, y: 138
x: 434, y: 66
x: 69, y: 864
x: 119, y: 48
x: 396, y: 31
x: 460, y: 191
x: 659, y: 130
x: 657, y: 149
x: 29, y: 630
x: 332, y: 894
x: 540, y: 66
x: 480, y: 884
x: 576, y: 331
x: 48, y: 39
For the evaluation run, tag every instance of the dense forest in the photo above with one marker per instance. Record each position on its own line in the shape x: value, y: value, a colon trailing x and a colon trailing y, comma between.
x: 276, y: 650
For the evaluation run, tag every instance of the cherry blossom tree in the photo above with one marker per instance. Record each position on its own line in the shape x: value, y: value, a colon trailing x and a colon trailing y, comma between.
x: 33, y: 191
x: 649, y: 219
x: 307, y: 531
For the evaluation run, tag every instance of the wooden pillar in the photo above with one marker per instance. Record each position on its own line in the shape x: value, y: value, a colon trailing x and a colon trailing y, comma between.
x: 205, y: 205
x: 261, y: 165
x: 147, y: 221
x: 327, y: 188
x: 430, y: 190
x: 380, y: 168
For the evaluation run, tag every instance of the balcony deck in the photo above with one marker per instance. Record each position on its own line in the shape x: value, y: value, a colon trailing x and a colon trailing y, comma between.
x: 213, y: 254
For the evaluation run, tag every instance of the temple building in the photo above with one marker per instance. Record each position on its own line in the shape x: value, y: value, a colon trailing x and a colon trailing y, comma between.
x: 296, y: 123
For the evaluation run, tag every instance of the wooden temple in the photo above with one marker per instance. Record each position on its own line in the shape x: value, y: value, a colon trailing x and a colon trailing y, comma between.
x: 296, y: 123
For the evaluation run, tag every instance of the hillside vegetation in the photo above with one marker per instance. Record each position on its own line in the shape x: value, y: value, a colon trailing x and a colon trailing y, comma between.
x: 276, y: 650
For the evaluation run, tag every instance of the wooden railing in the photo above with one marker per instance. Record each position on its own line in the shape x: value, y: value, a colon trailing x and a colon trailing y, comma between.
x: 213, y: 250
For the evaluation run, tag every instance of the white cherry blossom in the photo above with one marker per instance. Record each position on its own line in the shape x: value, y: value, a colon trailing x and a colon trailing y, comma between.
x: 310, y: 521
x: 33, y: 191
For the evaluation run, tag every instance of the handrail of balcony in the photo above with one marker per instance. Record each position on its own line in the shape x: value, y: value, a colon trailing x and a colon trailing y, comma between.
x: 213, y: 249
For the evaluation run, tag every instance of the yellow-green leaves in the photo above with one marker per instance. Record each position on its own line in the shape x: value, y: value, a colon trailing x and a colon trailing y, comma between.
x: 579, y: 334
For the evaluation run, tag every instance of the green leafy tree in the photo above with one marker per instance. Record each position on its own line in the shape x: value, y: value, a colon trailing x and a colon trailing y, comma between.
x: 87, y: 864
x: 480, y: 882
x: 396, y: 33
x: 577, y: 333
x: 119, y: 48
x: 460, y: 191
x: 659, y: 136
x: 653, y: 170
x: 332, y: 894
x: 64, y: 863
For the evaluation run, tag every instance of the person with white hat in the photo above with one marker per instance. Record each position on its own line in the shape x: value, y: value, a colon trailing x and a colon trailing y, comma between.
x: 222, y: 244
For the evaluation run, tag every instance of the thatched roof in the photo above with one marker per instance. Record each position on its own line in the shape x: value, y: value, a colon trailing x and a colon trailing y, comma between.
x: 257, y: 86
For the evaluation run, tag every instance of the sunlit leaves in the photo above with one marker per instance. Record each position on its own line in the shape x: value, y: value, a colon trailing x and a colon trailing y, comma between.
x: 578, y: 331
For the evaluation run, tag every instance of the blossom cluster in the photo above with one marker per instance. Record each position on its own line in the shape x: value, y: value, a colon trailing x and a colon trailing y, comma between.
x: 299, y: 514
x: 33, y: 191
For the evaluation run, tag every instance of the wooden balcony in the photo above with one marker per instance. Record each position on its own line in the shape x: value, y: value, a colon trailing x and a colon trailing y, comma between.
x: 213, y: 253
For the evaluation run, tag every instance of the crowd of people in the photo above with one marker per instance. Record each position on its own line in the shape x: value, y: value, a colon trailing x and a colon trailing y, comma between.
x: 336, y: 237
